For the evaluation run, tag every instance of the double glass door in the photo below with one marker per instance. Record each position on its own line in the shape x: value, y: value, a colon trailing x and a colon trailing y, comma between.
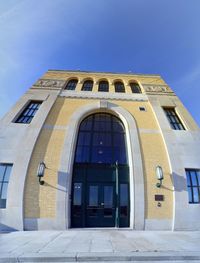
x: 97, y: 201
x: 100, y: 205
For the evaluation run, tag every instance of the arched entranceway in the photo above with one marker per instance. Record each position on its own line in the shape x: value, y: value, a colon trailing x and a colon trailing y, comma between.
x: 100, y: 183
x: 64, y: 193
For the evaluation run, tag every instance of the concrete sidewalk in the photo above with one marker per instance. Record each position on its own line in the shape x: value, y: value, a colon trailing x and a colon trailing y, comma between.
x: 99, y: 245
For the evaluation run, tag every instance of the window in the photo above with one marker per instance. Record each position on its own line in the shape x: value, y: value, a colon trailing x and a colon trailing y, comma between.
x: 87, y: 85
x: 142, y: 108
x: 103, y: 86
x: 5, y: 170
x: 29, y: 112
x: 101, y: 140
x: 173, y: 119
x: 119, y: 87
x: 135, y: 88
x: 71, y: 85
x: 193, y: 185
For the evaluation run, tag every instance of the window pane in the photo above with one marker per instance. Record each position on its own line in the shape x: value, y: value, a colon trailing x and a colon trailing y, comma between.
x: 118, y: 127
x: 103, y: 86
x: 77, y: 193
x: 190, y: 194
x: 86, y: 125
x: 87, y: 85
x: 120, y: 155
x: 188, y: 178
x: 102, y: 126
x: 93, y: 195
x: 101, y: 139
x: 135, y: 88
x: 2, y: 171
x: 4, y: 191
x: 196, y: 195
x: 84, y: 138
x: 123, y: 200
x: 101, y: 154
x: 71, y: 85
x: 193, y: 178
x: 108, y: 196
x: 7, y: 174
x: 119, y: 87
x: 118, y: 139
x: 82, y: 154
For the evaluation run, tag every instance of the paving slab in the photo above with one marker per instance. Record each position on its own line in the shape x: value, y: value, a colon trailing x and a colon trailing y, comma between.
x: 100, y: 245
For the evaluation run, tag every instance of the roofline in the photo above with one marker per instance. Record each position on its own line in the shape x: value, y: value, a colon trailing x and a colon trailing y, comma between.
x: 100, y: 72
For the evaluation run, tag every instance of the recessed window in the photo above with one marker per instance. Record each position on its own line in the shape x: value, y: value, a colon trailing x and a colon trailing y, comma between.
x: 87, y: 85
x: 5, y: 170
x: 29, y: 112
x: 173, y: 119
x: 71, y: 85
x: 135, y: 88
x: 103, y: 86
x: 193, y: 185
x: 119, y: 87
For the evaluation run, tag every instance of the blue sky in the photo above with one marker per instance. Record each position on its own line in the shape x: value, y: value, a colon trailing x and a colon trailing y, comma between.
x: 142, y: 36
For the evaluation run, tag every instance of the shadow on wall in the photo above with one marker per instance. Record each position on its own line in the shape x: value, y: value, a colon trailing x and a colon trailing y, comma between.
x: 32, y: 188
x: 179, y: 182
x: 61, y: 183
x: 6, y: 228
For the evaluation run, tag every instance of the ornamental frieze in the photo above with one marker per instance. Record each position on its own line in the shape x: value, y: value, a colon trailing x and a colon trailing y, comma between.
x: 156, y: 88
x: 50, y: 83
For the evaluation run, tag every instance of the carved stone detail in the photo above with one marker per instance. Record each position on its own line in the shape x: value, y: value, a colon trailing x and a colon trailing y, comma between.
x: 50, y: 83
x: 152, y: 88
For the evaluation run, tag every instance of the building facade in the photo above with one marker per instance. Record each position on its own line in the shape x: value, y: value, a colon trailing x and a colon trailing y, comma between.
x: 99, y: 141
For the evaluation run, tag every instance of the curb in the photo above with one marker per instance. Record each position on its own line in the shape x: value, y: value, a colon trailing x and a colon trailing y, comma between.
x: 94, y: 257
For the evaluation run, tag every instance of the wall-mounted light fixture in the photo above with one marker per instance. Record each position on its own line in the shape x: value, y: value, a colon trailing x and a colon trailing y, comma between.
x: 40, y: 172
x: 159, y: 175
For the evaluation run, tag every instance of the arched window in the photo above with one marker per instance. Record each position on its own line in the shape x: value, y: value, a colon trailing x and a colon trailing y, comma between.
x: 101, y: 139
x: 135, y: 87
x: 119, y: 87
x: 71, y: 84
x: 87, y: 85
x: 103, y: 86
x: 100, y: 184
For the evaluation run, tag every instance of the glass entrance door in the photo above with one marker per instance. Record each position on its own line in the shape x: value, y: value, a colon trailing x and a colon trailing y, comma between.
x: 100, y: 205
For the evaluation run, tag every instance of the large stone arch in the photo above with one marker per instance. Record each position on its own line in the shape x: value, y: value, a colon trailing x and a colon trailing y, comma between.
x: 137, y: 201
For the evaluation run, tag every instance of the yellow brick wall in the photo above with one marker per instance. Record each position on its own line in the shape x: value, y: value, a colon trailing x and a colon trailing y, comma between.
x: 39, y: 200
x: 154, y: 154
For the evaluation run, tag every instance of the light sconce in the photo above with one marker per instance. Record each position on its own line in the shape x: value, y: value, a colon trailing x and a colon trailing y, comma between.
x: 40, y: 172
x: 159, y: 175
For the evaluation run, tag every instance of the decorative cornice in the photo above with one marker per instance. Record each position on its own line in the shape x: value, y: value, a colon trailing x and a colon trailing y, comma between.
x: 103, y: 95
x: 105, y: 73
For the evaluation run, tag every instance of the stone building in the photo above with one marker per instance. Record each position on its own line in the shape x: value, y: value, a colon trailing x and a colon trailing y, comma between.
x: 95, y: 149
